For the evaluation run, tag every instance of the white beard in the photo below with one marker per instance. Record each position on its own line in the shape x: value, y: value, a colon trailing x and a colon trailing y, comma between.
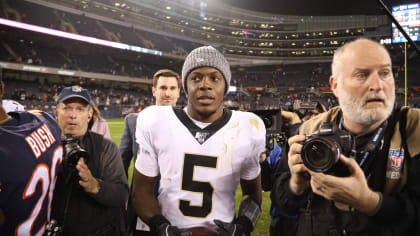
x: 354, y: 107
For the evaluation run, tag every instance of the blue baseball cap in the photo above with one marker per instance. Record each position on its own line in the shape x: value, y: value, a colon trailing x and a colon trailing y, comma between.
x: 74, y: 92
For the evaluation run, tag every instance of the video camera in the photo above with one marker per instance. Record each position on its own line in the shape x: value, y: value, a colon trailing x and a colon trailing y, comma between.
x: 306, y: 109
x: 321, y: 150
x: 276, y: 130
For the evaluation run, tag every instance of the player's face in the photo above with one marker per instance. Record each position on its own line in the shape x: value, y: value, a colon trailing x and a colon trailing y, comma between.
x: 166, y: 91
x: 206, y: 89
x: 73, y: 116
x: 365, y: 89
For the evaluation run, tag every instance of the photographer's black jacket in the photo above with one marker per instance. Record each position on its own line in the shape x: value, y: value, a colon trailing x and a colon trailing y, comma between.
x: 93, y: 214
x: 397, y: 176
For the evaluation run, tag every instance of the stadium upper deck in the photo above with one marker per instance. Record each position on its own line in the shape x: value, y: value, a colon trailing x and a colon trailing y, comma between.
x: 254, y: 37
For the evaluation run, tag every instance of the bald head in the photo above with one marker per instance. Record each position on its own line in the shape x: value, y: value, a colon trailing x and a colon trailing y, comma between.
x: 350, y: 51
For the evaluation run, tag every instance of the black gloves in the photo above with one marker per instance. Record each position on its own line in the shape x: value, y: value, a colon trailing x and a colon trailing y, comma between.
x: 249, y: 212
x: 170, y: 230
x: 160, y: 226
x: 241, y: 226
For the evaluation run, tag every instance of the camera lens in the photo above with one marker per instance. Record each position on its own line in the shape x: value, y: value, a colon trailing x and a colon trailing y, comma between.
x: 268, y: 121
x: 319, y: 155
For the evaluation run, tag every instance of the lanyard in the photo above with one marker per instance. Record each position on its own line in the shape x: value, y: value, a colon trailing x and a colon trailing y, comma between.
x: 373, y: 143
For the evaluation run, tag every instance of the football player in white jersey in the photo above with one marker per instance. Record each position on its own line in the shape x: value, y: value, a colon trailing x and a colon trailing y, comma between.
x: 202, y: 153
x: 166, y: 89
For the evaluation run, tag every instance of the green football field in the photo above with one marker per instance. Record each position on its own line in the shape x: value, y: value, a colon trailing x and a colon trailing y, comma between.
x: 262, y: 229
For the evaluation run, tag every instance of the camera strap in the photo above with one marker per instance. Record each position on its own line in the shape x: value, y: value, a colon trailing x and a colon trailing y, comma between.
x: 373, y: 143
x: 66, y: 206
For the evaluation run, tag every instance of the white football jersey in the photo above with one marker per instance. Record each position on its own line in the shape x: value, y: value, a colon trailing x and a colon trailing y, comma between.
x: 200, y: 169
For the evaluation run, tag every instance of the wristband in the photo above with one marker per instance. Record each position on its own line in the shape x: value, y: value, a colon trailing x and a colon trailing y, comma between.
x: 251, y: 210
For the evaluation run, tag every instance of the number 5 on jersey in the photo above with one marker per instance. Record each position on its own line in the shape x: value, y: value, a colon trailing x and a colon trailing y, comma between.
x: 189, y: 184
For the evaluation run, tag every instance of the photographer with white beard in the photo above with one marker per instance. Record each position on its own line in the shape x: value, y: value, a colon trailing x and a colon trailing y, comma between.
x: 372, y: 186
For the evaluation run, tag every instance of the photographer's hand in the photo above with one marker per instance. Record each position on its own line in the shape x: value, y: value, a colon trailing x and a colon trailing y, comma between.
x: 291, y: 117
x: 89, y: 183
x: 352, y: 190
x: 298, y: 180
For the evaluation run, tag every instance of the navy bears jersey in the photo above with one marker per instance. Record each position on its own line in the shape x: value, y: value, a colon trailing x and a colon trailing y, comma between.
x: 30, y: 157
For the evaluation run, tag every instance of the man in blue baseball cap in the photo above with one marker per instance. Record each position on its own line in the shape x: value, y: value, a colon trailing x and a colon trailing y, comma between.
x: 73, y: 110
x: 74, y: 92
x: 99, y: 190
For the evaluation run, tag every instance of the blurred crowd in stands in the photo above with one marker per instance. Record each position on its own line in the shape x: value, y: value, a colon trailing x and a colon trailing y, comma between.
x: 258, y: 87
x: 118, y: 100
x: 80, y: 24
x: 41, y: 94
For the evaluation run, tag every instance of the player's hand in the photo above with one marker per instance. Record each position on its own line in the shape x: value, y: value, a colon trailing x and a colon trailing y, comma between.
x: 89, y: 183
x: 230, y: 229
x: 170, y: 230
x: 299, y: 180
x: 352, y: 190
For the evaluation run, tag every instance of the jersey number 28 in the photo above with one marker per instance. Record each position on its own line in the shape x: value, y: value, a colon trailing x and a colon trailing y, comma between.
x: 47, y: 178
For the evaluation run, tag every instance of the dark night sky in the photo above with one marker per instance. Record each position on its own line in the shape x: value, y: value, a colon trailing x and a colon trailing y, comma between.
x: 317, y: 7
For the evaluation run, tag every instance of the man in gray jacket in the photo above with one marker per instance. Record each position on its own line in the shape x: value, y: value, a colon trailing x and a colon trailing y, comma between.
x: 92, y: 189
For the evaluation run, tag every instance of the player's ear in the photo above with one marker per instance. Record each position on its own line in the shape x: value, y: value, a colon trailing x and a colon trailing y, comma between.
x: 154, y: 91
x: 55, y: 111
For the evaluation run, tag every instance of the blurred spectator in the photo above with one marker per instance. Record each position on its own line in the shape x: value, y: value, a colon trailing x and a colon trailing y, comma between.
x: 98, y: 124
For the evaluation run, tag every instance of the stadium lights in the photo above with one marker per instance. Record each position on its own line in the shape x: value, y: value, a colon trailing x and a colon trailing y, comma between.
x: 232, y: 89
x: 77, y: 37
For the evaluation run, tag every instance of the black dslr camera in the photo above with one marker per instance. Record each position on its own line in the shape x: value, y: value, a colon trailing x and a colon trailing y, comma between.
x: 72, y: 154
x: 321, y: 150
